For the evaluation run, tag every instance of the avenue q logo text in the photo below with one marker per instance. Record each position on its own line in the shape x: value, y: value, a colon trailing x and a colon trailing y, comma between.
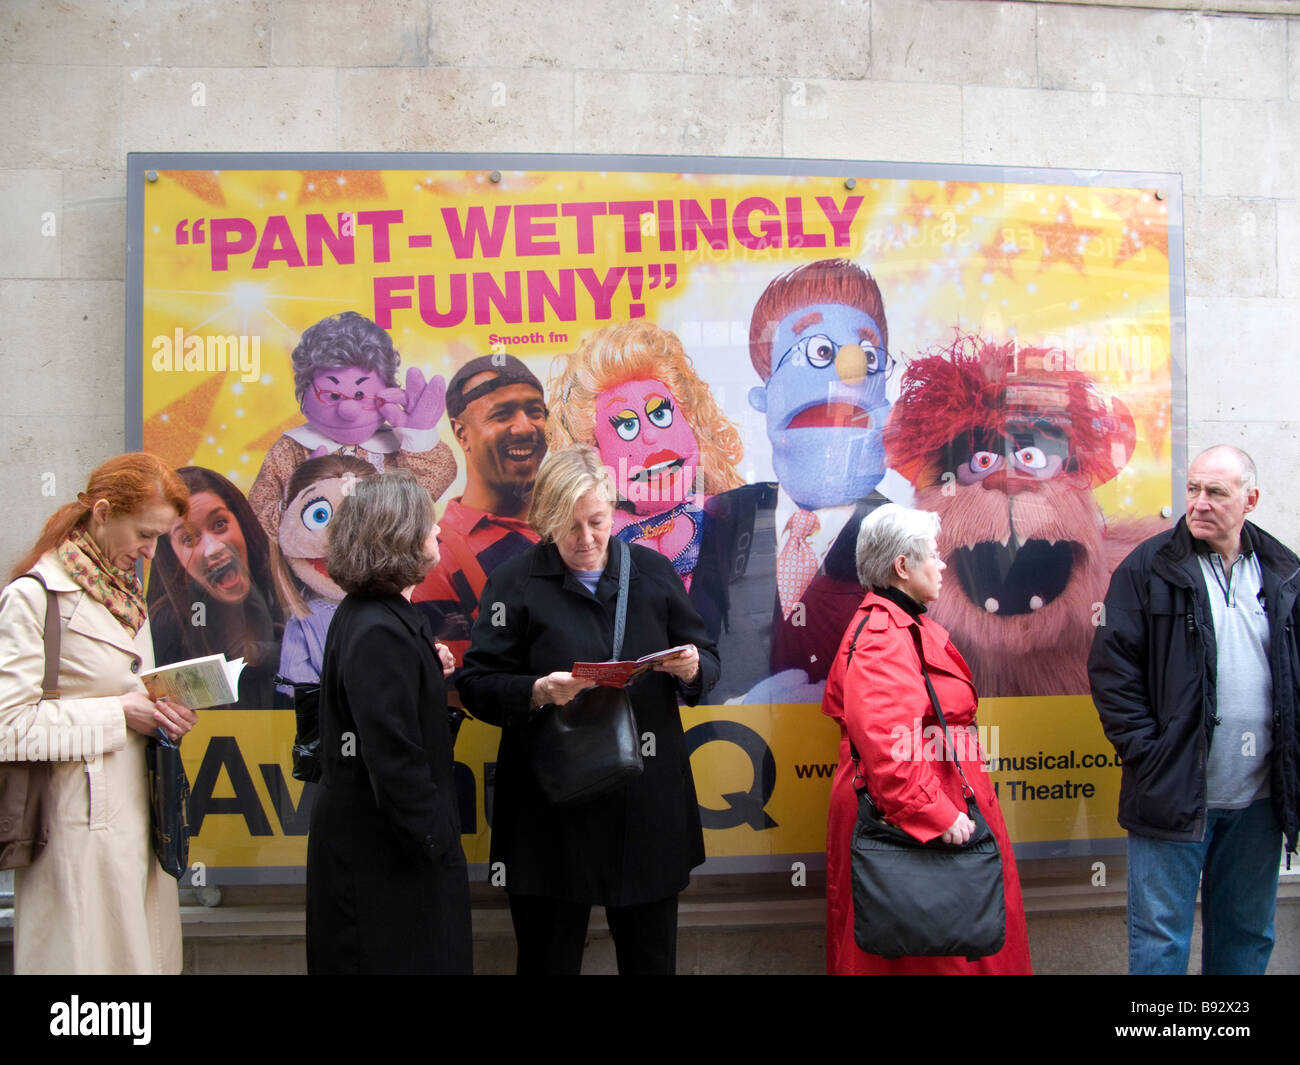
x: 102, y: 1018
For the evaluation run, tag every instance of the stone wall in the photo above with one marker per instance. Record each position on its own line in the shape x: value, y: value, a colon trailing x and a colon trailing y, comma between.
x: 1210, y: 91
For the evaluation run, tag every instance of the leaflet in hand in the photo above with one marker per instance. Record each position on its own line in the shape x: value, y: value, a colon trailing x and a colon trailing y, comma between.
x: 617, y: 674
x: 197, y: 682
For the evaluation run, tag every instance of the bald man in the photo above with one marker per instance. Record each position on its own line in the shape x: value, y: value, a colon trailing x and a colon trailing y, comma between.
x: 1194, y: 672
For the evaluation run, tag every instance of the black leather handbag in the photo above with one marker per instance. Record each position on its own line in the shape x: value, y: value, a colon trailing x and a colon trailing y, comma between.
x: 306, y: 737
x: 925, y: 899
x: 169, y: 801
x: 591, y: 746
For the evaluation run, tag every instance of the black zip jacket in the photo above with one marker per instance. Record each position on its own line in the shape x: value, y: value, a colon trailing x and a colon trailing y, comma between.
x: 1153, y: 673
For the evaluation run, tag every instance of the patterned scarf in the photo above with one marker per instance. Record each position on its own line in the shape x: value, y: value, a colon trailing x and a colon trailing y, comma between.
x: 119, y: 590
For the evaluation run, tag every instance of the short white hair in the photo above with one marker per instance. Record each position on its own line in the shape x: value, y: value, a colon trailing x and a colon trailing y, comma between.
x: 1249, y: 475
x: 890, y: 531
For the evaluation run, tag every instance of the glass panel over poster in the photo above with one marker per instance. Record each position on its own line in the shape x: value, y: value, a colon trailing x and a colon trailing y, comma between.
x: 763, y: 352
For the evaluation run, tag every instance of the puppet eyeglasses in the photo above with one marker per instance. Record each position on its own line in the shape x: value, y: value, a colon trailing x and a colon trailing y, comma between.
x: 332, y: 398
x: 819, y: 351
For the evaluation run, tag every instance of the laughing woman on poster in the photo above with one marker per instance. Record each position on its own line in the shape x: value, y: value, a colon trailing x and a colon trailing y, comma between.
x: 879, y: 694
x: 210, y: 589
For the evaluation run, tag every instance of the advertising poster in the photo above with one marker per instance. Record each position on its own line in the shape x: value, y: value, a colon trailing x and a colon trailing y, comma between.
x: 763, y: 352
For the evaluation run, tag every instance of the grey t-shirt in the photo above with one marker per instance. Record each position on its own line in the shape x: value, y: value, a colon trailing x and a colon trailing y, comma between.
x: 1238, y: 769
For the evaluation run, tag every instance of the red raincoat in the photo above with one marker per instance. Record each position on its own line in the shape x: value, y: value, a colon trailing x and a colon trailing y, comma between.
x: 879, y: 699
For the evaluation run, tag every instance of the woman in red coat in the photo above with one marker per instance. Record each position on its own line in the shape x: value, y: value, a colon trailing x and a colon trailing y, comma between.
x: 880, y: 700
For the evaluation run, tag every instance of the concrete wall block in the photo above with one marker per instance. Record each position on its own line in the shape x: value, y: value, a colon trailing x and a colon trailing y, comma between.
x: 684, y: 114
x: 1103, y: 130
x: 62, y: 348
x: 1239, y: 353
x: 1288, y: 249
x: 953, y: 42
x: 771, y: 37
x: 99, y: 33
x: 33, y: 227
x: 456, y: 110
x: 207, y: 109
x: 1165, y: 52
x: 48, y: 454
x: 1293, y: 60
x: 1231, y: 247
x: 234, y: 33
x: 1273, y: 445
x: 1250, y: 149
x: 366, y: 33
x: 872, y: 120
x: 94, y: 219
x: 60, y: 115
x: 618, y: 35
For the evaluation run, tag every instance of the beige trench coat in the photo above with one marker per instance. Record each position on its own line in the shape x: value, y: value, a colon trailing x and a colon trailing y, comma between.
x: 96, y: 900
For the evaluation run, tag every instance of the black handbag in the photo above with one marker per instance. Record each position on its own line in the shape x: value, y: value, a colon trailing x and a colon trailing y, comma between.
x: 169, y: 801
x: 24, y: 827
x: 591, y: 745
x: 925, y: 899
x: 306, y: 737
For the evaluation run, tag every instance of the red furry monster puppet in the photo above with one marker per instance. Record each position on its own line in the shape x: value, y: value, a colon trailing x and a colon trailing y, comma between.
x: 1007, y: 450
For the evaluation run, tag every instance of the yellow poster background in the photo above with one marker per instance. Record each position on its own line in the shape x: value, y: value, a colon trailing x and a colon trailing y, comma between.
x: 263, y: 254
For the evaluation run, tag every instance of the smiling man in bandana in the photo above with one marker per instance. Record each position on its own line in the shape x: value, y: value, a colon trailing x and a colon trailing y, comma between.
x: 498, y: 413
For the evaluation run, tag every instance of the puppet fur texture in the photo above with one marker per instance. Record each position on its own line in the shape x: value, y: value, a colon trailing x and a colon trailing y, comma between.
x: 1008, y: 450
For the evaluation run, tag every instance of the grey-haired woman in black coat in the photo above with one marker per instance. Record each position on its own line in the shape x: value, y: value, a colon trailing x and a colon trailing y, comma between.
x: 387, y: 884
x: 631, y: 850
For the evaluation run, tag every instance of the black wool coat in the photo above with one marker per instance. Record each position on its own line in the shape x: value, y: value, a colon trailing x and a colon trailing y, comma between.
x: 387, y: 884
x: 633, y: 846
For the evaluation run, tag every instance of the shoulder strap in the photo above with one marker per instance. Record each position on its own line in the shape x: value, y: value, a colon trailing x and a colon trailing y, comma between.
x: 968, y: 792
x: 853, y: 646
x: 620, y: 610
x: 53, y: 639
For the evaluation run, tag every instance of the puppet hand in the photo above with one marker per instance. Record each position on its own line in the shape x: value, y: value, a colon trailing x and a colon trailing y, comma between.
x: 419, y: 405
x: 319, y: 453
x: 788, y: 686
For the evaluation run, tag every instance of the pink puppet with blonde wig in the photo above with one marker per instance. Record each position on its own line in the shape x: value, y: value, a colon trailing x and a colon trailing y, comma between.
x: 631, y: 391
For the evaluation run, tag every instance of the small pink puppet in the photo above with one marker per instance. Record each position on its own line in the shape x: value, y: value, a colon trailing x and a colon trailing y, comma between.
x: 632, y: 392
x: 309, y: 594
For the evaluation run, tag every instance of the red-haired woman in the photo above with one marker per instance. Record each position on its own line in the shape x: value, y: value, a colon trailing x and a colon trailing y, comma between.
x: 95, y: 900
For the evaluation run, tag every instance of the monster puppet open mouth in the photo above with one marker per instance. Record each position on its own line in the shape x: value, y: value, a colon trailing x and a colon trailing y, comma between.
x: 1011, y: 576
